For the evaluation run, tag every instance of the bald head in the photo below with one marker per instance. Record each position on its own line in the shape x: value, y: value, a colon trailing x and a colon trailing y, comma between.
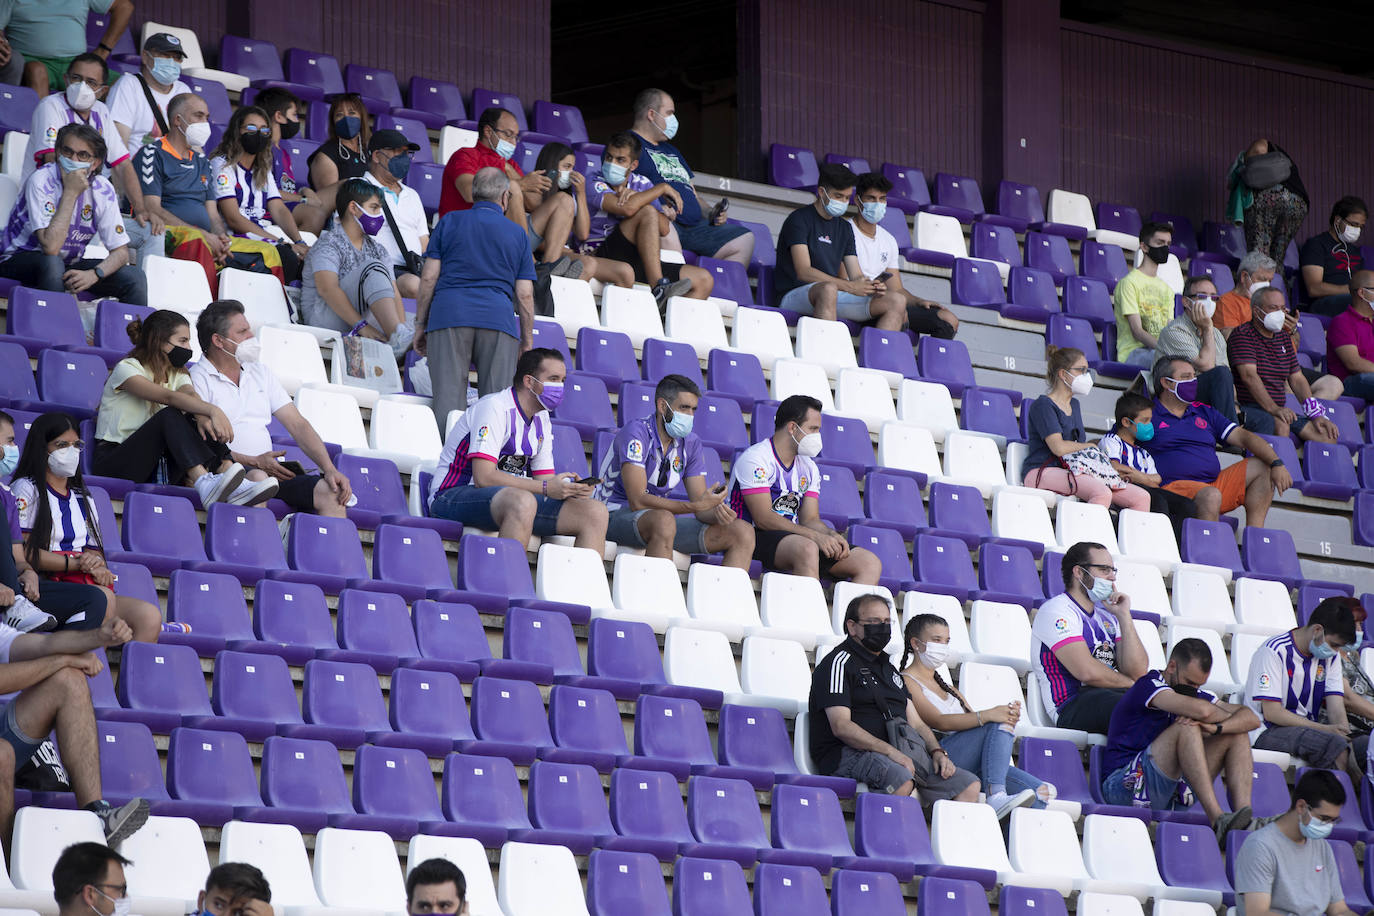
x: 1361, y: 279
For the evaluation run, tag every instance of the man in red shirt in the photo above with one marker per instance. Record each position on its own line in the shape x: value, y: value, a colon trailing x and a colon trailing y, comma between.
x: 1350, y: 339
x: 546, y: 218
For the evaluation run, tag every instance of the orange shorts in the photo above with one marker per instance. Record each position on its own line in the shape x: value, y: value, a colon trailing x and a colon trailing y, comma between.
x: 1231, y: 483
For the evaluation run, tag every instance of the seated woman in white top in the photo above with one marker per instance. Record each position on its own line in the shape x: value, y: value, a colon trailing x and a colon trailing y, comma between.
x: 150, y: 414
x: 245, y: 191
x: 62, y: 535
x: 976, y: 740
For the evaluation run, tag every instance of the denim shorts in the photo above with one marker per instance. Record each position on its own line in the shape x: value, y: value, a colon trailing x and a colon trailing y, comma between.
x: 623, y: 528
x: 1258, y: 420
x: 703, y: 238
x: 472, y: 506
x: 24, y: 746
x: 847, y: 305
x: 1158, y: 791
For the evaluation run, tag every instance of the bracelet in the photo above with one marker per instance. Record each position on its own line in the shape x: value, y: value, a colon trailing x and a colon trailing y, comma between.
x: 939, y: 750
x: 545, y: 485
x: 357, y: 328
x: 979, y: 715
x: 66, y: 563
x: 106, y: 47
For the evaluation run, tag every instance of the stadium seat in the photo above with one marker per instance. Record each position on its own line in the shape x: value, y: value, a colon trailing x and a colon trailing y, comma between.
x: 1148, y: 537
x: 664, y: 357
x: 911, y: 449
x: 1211, y: 544
x: 357, y: 868
x: 889, y: 353
x: 1330, y: 471
x: 323, y: 551
x: 893, y: 500
x: 1103, y: 261
x: 936, y: 242
x: 1019, y: 206
x: 971, y: 459
x: 1269, y: 553
x: 724, y: 817
x: 214, y: 770
x: 945, y: 362
x: 619, y: 882
x: 948, y: 607
x: 345, y: 698
x: 628, y: 651
x: 774, y: 672
x: 990, y: 412
x: 451, y: 638
x: 1199, y: 595
x: 1032, y: 295
x: 967, y: 835
x: 956, y: 511
x: 1187, y: 856
x: 161, y: 687
x: 71, y: 382
x: 607, y: 355
x: 927, y: 405
x: 1263, y: 604
x: 573, y: 306
x: 41, y: 834
x: 586, y: 728
x: 1077, y: 521
x: 795, y: 376
x: 997, y: 243
x: 1043, y: 845
x: 702, y: 659
x: 792, y: 167
x: 16, y: 108
x: 481, y: 798
x: 706, y: 887
x: 942, y: 565
x: 1118, y: 849
x: 826, y: 343
x: 471, y: 859
x: 865, y: 394
x: 178, y: 285
x: 762, y: 332
x: 1089, y: 299
x: 567, y: 798
x: 182, y: 864
x: 1000, y: 635
x: 1050, y: 253
x: 1021, y: 515
x: 957, y: 196
x: 788, y: 890
x: 374, y: 629
x: 509, y: 720
x: 977, y: 284
x: 212, y: 605
x: 396, y: 783
x: 279, y: 851
x: 808, y: 819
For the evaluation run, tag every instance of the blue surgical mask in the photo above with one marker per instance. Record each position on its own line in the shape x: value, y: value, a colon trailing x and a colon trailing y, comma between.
x: 1100, y: 590
x: 1320, y: 649
x: 1144, y: 432
x: 504, y: 148
x: 71, y: 165
x: 670, y: 126
x: 835, y: 207
x: 10, y: 461
x: 874, y: 211
x: 614, y: 174
x: 166, y: 71
x: 678, y: 425
x: 1314, y: 828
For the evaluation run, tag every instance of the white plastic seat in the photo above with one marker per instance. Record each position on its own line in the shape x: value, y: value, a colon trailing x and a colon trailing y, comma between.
x: 452, y: 139
x: 927, y: 405
x: 358, y: 868
x: 279, y: 851
x: 177, y: 285
x: 403, y: 430
x: 12, y: 167
x: 826, y: 343
x: 1148, y: 537
x: 1145, y: 585
x: 865, y: 394
x: 471, y: 860
x: 169, y: 862
x: 985, y: 685
x: 1220, y: 681
x: 905, y: 447
x: 575, y: 575
x: 333, y: 414
x: 574, y: 307
x: 632, y: 312
x: 1149, y: 639
x: 1001, y: 635
x: 697, y: 322
x: 1119, y: 849
x: 1078, y: 521
x: 796, y: 604
x: 1074, y: 210
x: 801, y: 743
x: 942, y: 234
x: 721, y: 598
x: 20, y: 902
x: 845, y: 592
x: 968, y: 835
x: 775, y: 673
x: 293, y: 356
x: 973, y: 460
x: 762, y: 332
x: 1243, y: 646
x: 1043, y: 846
x: 702, y: 658
x: 1093, y: 903
x: 1166, y: 907
x: 264, y: 300
x: 1022, y: 515
x: 795, y: 376
x: 647, y: 589
x: 40, y: 835
x: 947, y: 607
x: 539, y: 880
x: 1200, y: 599
x: 1262, y: 604
x: 194, y: 64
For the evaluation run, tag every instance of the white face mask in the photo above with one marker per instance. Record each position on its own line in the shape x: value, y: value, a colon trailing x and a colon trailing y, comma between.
x: 808, y: 445
x: 122, y: 905
x: 1351, y: 234
x: 198, y: 134
x: 64, y: 461
x: 1082, y: 384
x: 1258, y: 285
x: 935, y: 655
x: 80, y: 96
x: 564, y: 178
x: 247, y: 351
x: 1208, y: 306
x: 1273, y: 321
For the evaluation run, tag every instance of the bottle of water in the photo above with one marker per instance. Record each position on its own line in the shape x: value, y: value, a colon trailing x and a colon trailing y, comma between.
x: 173, y: 627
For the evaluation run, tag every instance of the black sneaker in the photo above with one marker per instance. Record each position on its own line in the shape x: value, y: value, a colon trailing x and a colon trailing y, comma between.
x: 565, y: 266
x: 665, y: 290
x: 123, y: 822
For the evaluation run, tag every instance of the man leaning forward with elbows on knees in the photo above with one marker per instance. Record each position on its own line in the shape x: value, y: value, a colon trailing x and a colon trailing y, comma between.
x: 863, y: 723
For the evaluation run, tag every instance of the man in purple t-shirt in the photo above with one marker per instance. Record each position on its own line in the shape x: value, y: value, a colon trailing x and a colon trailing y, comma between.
x: 1350, y: 339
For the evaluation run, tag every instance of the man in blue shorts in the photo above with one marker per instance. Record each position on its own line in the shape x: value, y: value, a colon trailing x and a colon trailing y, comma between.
x: 656, y: 123
x: 650, y: 458
x: 1167, y: 734
x: 496, y: 470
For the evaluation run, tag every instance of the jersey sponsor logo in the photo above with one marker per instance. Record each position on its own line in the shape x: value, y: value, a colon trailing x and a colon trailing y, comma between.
x: 787, y: 504
x: 824, y: 238
x: 50, y: 134
x: 760, y: 474
x: 49, y: 207
x: 222, y: 180
x: 1061, y: 625
x: 513, y: 464
x: 635, y: 450
x: 482, y: 433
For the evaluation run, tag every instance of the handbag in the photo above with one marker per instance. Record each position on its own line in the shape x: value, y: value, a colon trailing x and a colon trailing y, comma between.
x: 1266, y: 170
x: 1093, y: 462
x: 414, y: 263
x: 252, y: 261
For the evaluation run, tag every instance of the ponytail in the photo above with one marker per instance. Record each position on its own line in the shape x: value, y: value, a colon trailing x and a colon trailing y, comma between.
x: 915, y: 628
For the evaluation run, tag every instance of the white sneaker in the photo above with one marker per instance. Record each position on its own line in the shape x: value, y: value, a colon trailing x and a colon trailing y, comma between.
x: 252, y: 492
x: 401, y: 339
x: 1003, y: 803
x: 25, y: 617
x: 215, y: 487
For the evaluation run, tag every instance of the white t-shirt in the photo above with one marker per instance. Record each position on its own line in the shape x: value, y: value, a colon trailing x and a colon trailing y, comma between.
x: 876, y: 255
x: 129, y: 106
x: 410, y: 219
x: 1279, y: 672
x: 249, y: 405
x: 53, y: 114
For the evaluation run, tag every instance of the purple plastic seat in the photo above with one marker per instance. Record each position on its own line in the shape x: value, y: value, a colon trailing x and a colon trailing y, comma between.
x: 482, y: 99
x: 293, y: 618
x: 951, y: 896
x: 607, y: 355
x: 1118, y: 218
x: 1330, y: 471
x: 373, y: 629
x: 673, y: 730
x: 788, y: 166
x: 909, y: 193
x: 344, y: 696
x: 256, y: 692
x: 1006, y: 572
x: 992, y: 242
x: 636, y: 400
x: 413, y: 128
x: 1187, y: 856
x: 213, y: 605
x: 893, y: 500
x: 847, y: 443
x: 260, y: 62
x: 943, y: 566
x: 16, y: 108
x: 625, y: 884
x: 1077, y: 332
x: 1362, y: 521
x: 958, y: 196
x: 864, y: 893
x: 887, y: 545
x: 1191, y: 815
x: 1089, y: 299
x: 856, y: 164
x: 72, y: 381
x: 1061, y: 763
x: 16, y: 378
x: 586, y: 405
x: 242, y: 542
x: 1030, y: 901
x: 755, y: 738
x: 788, y: 890
x: 1211, y: 544
x: 409, y: 562
x: 39, y: 318
x: 1019, y: 206
x: 840, y: 506
x: 1220, y: 275
x: 1269, y: 791
x: 509, y: 720
x: 889, y: 351
x: 977, y: 284
x: 561, y: 121
x: 442, y: 101
x: 129, y: 769
x: 1349, y: 867
x: 1224, y: 239
x: 481, y: 798
x: 730, y: 279
x: 669, y: 357
x: 567, y: 800
x: 586, y: 728
x: 765, y: 255
x: 323, y: 551
x: 726, y: 823
x: 720, y: 424
x: 1184, y: 244
x: 892, y: 829
x: 627, y: 651
x: 382, y: 498
x: 216, y: 99
x: 736, y: 375
x: 214, y: 770
x: 1103, y: 262
x: 946, y: 362
x: 427, y: 178
x: 1050, y: 253
x: 452, y: 635
x: 160, y: 686
x: 1032, y: 295
x: 396, y: 785
x: 543, y: 640
x: 314, y: 69
x: 133, y: 580
x: 809, y: 819
x: 1311, y: 594
x: 429, y: 709
x: 493, y: 572
x: 709, y: 887
x: 1311, y: 337
x: 378, y: 87
x: 306, y: 775
x: 986, y: 411
x: 569, y: 457
x: 957, y: 511
x: 647, y: 813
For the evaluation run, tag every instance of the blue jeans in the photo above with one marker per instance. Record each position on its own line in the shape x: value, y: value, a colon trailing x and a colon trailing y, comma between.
x: 1360, y: 385
x: 704, y: 238
x: 986, y: 750
x: 1140, y: 783
x: 1217, y: 387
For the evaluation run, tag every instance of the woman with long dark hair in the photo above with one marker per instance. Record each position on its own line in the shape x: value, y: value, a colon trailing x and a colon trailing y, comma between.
x: 63, y: 540
x: 342, y: 155
x: 978, y: 740
x: 135, y: 433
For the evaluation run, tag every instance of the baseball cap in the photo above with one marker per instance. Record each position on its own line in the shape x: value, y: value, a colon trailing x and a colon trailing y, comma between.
x: 390, y: 139
x: 164, y: 43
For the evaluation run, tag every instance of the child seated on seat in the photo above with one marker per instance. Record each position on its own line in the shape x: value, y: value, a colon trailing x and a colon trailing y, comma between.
x: 1132, y: 461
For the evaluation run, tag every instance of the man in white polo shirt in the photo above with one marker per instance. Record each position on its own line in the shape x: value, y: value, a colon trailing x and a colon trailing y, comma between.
x: 230, y: 377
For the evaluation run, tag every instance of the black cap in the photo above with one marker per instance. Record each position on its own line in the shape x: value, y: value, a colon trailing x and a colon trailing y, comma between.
x: 390, y: 139
x: 164, y: 43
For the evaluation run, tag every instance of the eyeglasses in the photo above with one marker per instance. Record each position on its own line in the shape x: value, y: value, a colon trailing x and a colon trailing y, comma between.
x: 511, y: 135
x: 257, y: 130
x: 1079, y: 369
x: 73, y: 79
x: 1109, y: 570
x: 78, y: 155
x: 121, y: 890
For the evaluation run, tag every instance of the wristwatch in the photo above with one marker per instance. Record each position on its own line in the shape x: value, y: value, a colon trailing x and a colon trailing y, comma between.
x: 1217, y: 731
x: 1276, y: 463
x: 99, y: 274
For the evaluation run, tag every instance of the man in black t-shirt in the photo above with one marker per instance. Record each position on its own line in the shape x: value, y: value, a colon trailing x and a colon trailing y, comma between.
x: 855, y: 690
x: 818, y: 269
x: 1329, y: 259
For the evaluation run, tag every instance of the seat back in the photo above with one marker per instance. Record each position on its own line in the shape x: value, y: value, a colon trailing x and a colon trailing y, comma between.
x: 292, y: 613
x: 304, y: 774
x: 343, y: 695
x: 673, y: 728
x: 586, y: 720
x: 543, y: 637
x: 708, y: 887
x: 210, y: 766
x: 211, y: 603
x: 625, y: 882
x: 414, y: 556
x: 624, y: 649
x: 375, y: 622
x: 73, y: 380
x: 788, y: 890
x: 245, y: 535
x: 164, y: 679
x: 322, y: 544
x: 395, y: 782
x: 483, y: 791
x: 568, y: 796
x: 254, y: 686
x: 129, y: 764
x: 509, y: 711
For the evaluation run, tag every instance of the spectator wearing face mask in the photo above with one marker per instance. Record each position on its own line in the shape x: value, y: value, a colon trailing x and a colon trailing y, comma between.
x: 1350, y: 339
x: 1194, y: 336
x: 342, y: 155
x: 1330, y: 259
x: 138, y: 101
x: 1267, y: 365
x: 1142, y: 301
x: 1126, y: 448
x: 1256, y: 271
x: 390, y: 154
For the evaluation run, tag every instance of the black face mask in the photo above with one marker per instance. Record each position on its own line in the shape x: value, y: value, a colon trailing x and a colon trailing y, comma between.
x: 179, y: 356
x: 1185, y: 690
x: 254, y: 142
x: 289, y: 129
x: 1159, y: 254
x: 876, y: 636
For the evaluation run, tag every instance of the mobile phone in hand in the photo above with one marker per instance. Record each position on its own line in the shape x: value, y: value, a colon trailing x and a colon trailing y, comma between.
x: 590, y: 481
x: 721, y: 206
x: 294, y: 467
x: 883, y: 277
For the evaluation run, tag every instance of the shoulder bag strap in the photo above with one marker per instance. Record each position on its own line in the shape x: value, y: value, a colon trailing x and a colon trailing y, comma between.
x: 152, y: 103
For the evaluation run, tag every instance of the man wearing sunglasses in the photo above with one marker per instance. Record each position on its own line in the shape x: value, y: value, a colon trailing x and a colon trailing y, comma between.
x: 1350, y: 339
